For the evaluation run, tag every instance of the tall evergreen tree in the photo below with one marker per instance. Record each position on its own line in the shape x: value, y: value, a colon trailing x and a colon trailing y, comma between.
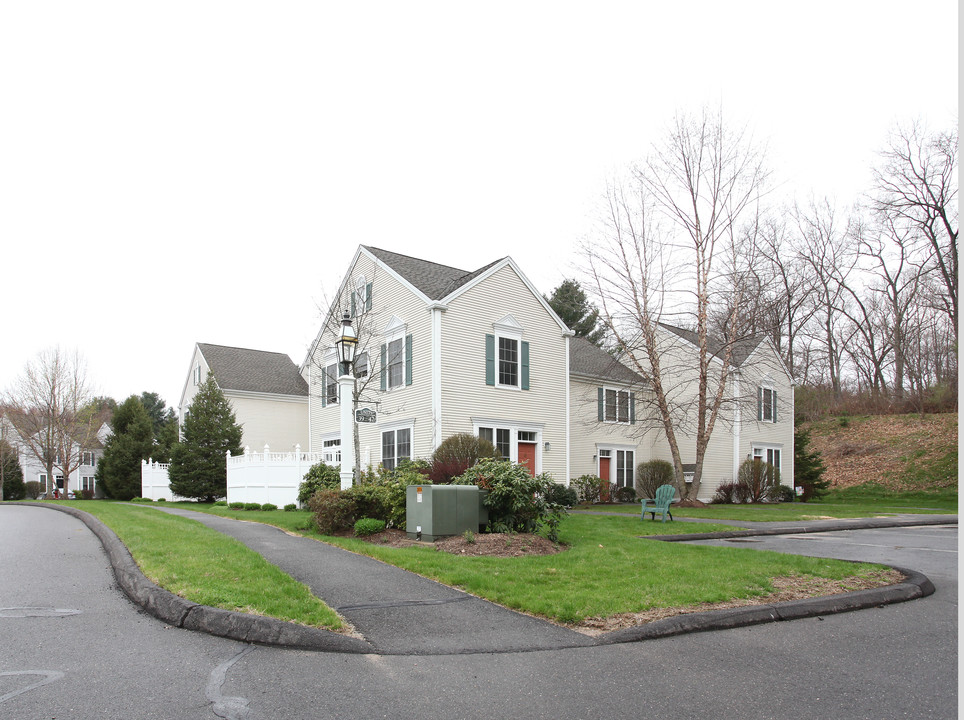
x: 570, y: 303
x: 119, y: 470
x: 808, y: 467
x: 198, y: 469
x: 165, y: 438
x: 11, y: 474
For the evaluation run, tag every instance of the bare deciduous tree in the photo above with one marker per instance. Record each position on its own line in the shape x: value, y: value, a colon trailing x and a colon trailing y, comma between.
x: 916, y: 187
x: 46, y: 407
x: 703, y: 183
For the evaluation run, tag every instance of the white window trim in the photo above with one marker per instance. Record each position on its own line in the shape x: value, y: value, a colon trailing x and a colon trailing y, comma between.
x: 762, y: 448
x: 612, y: 449
x: 510, y: 329
x: 396, y: 329
x: 197, y: 374
x: 629, y: 405
x: 330, y: 358
x: 514, y: 428
x: 767, y: 384
x: 395, y: 427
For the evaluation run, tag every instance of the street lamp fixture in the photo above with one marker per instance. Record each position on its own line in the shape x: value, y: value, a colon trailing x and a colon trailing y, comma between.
x: 347, y: 344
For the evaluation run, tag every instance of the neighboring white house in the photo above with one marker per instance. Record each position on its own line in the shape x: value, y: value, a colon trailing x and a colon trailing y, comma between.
x: 605, y: 435
x: 756, y: 417
x: 83, y: 460
x: 267, y: 393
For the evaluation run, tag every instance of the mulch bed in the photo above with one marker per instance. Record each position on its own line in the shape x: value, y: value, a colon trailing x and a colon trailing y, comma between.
x: 487, y: 544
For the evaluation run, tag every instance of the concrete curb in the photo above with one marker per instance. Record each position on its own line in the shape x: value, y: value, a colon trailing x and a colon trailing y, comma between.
x: 814, y: 527
x: 177, y: 611
x: 182, y: 613
x: 916, y: 585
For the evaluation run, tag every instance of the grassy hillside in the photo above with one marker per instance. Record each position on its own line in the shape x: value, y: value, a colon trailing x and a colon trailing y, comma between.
x: 902, y: 453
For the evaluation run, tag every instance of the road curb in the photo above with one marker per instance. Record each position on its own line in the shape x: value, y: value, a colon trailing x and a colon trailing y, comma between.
x: 817, y: 527
x: 915, y: 585
x: 178, y: 612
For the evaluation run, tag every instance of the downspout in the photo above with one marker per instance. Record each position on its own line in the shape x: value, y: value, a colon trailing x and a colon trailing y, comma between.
x: 737, y: 418
x: 436, y: 309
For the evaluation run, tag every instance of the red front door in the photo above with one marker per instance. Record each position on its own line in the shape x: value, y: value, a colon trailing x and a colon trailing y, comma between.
x: 527, y: 456
x: 604, y: 476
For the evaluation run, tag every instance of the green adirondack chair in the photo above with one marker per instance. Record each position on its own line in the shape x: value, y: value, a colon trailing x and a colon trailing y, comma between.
x: 661, y: 503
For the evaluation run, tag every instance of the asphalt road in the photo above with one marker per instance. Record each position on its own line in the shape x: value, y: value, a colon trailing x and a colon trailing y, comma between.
x: 72, y: 646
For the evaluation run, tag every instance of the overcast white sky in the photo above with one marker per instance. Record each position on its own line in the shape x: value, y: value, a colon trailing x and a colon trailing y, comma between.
x: 174, y: 172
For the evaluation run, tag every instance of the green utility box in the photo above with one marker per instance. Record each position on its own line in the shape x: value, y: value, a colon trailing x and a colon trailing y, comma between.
x: 434, y: 511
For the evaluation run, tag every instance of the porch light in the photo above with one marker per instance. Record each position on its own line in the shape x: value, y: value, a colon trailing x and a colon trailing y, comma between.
x: 347, y: 343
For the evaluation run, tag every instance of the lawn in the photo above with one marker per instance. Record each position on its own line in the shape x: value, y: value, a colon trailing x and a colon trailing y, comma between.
x: 208, y: 567
x: 850, y: 503
x: 608, y: 569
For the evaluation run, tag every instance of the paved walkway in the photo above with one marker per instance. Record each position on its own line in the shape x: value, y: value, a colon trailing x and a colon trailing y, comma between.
x: 396, y: 611
x: 399, y: 613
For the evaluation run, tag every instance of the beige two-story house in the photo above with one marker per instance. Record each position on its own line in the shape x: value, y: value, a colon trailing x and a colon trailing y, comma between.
x: 266, y: 391
x: 444, y: 351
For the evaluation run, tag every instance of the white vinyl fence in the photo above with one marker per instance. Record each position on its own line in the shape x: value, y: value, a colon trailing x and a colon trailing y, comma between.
x: 268, y: 477
x: 155, y: 483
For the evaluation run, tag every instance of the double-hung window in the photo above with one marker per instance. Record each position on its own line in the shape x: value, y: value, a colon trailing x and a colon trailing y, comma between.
x: 396, y: 363
x: 331, y: 384
x: 616, y: 406
x: 508, y: 361
x: 396, y: 446
x: 507, y: 356
x: 766, y: 404
x: 624, y: 468
x: 396, y: 356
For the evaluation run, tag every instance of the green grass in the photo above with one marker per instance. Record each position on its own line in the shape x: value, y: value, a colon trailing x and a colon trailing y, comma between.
x: 859, y: 501
x: 608, y: 570
x: 208, y: 567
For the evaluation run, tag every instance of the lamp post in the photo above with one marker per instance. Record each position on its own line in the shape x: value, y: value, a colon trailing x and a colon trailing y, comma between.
x: 346, y: 345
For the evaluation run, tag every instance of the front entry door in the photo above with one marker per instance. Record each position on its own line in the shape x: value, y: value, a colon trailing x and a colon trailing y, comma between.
x: 527, y: 456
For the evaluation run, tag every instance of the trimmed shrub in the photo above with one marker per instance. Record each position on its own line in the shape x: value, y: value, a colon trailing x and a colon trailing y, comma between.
x: 252, y: 506
x: 220, y: 503
x: 388, y: 502
x: 34, y: 488
x: 290, y: 507
x: 562, y: 495
x: 162, y: 500
x: 268, y: 507
x: 516, y: 500
x: 319, y: 477
x: 333, y: 511
x: 725, y: 494
x: 368, y: 526
x: 457, y: 454
x: 85, y: 494
x: 651, y: 475
x: 786, y: 494
x: 236, y: 506
x: 588, y: 488
x: 626, y: 495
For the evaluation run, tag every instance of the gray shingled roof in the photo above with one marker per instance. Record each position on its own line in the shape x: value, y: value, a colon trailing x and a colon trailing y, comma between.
x: 591, y: 361
x: 435, y: 280
x: 739, y: 352
x: 253, y: 370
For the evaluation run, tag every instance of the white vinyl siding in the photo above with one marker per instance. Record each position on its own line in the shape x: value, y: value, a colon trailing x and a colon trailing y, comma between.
x: 467, y: 326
